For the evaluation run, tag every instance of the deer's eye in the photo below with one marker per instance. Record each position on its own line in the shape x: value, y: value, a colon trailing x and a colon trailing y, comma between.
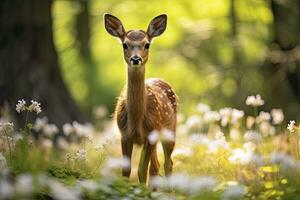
x: 125, y: 46
x: 147, y: 46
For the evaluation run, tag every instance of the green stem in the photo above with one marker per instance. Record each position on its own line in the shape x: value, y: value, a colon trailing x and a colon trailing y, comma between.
x: 25, y: 125
x: 9, y: 147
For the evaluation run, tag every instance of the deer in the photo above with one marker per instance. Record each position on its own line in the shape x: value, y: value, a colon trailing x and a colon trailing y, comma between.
x: 143, y: 105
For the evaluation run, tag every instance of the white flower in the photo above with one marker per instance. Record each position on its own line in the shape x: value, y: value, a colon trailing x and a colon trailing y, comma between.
x: 202, y: 184
x: 291, y: 126
x: 115, y: 163
x: 50, y: 130
x: 236, y: 115
x: 252, y: 136
x: 211, y: 116
x: 83, y: 130
x: 194, y: 121
x: 100, y: 111
x: 3, y: 163
x: 88, y: 185
x: 181, y: 152
x: 277, y: 116
x: 225, y: 115
x: 68, y: 129
x: 254, y: 101
x: 153, y: 137
x: 285, y: 161
x: 24, y: 184
x: 6, y: 189
x: 233, y: 192
x: 220, y: 136
x: 178, y: 181
x: 168, y: 135
x: 158, y: 182
x: 203, y: 108
x: 35, y: 107
x: 47, y: 143
x: 60, y: 192
x: 215, y: 145
x: 21, y: 106
x: 239, y: 156
x: 199, y: 139
x: 40, y: 123
x: 62, y: 143
x: 6, y: 127
x: 263, y: 116
x: 81, y: 154
x: 249, y: 146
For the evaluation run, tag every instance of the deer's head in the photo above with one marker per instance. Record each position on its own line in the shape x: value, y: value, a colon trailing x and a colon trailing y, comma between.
x: 135, y: 43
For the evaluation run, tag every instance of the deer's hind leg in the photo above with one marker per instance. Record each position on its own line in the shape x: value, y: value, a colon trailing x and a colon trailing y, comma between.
x: 154, y: 164
x: 168, y: 147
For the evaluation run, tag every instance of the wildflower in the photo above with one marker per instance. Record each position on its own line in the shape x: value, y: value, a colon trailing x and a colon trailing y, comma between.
x: 215, y: 145
x: 202, y: 184
x: 236, y: 115
x: 3, y: 163
x: 21, y: 105
x: 50, y: 130
x: 252, y: 136
x: 81, y: 154
x: 211, y: 116
x: 168, y: 135
x: 158, y: 182
x: 6, y: 189
x: 62, y: 143
x: 250, y: 121
x: 46, y: 143
x: 60, y: 192
x: 35, y: 107
x: 234, y: 134
x: 88, y: 185
x: 194, y: 121
x: 153, y: 137
x: 182, y: 152
x: 291, y: 126
x: 225, y: 115
x: 254, y: 101
x: 179, y: 181
x: 6, y: 126
x: 83, y: 130
x: 68, y: 129
x: 263, y: 116
x: 203, y: 108
x: 277, y: 116
x: 220, y: 136
x: 199, y: 139
x: 40, y: 123
x: 114, y: 163
x: 100, y: 111
x: 249, y: 146
x: 285, y: 161
x: 240, y: 156
x: 24, y: 184
x: 233, y: 192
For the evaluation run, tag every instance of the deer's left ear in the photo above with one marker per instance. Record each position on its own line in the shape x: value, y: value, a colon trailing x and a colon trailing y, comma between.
x: 157, y: 26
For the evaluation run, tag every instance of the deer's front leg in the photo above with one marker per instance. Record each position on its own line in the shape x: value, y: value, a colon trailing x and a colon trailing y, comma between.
x: 144, y: 161
x: 127, y: 152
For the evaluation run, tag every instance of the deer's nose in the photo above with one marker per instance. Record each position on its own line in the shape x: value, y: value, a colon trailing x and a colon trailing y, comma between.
x: 135, y: 60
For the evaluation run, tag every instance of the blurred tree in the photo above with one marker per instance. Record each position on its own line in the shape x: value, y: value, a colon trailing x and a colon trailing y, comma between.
x: 286, y: 52
x: 83, y: 37
x: 29, y: 63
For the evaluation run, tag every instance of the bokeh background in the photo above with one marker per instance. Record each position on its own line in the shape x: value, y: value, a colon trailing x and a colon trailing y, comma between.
x: 213, y: 51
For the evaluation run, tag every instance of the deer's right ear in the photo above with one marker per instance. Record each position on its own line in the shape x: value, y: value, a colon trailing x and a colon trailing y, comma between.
x: 114, y: 26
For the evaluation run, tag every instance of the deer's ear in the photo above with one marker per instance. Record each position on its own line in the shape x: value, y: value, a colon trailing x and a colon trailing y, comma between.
x: 157, y: 26
x: 114, y: 26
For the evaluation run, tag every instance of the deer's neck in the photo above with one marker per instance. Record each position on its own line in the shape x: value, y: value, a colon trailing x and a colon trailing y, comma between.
x: 136, y: 99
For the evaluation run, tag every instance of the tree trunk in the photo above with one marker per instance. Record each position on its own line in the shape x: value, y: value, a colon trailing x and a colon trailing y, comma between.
x: 285, y: 62
x: 29, y: 62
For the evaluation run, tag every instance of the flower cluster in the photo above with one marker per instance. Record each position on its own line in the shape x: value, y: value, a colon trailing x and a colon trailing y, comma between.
x: 33, y: 107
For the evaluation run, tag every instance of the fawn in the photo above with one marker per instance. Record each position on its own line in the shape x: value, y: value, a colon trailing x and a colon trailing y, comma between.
x: 143, y: 106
